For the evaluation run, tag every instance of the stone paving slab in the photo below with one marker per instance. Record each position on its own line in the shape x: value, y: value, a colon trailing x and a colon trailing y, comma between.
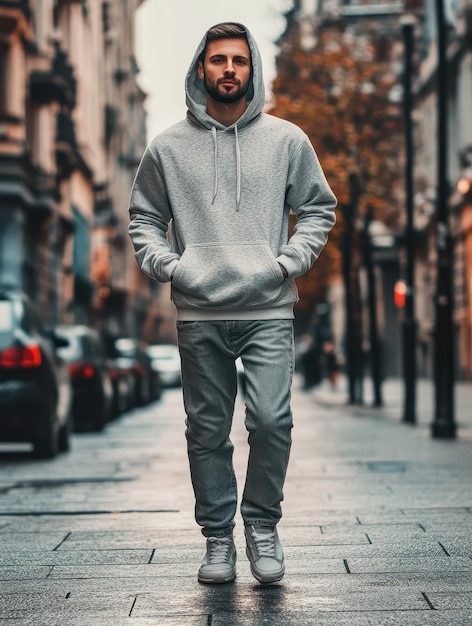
x: 459, y: 600
x: 410, y: 528
x: 41, y: 540
x: 277, y: 598
x: 424, y: 547
x: 23, y: 573
x: 457, y: 545
x: 424, y: 516
x: 125, y: 539
x: 314, y: 536
x: 165, y: 520
x: 27, y: 557
x: 429, y: 548
x: 440, y: 564
x: 18, y: 605
x: 73, y: 604
x: 374, y: 534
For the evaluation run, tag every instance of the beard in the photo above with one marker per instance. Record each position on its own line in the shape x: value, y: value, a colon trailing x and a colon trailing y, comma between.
x: 225, y: 98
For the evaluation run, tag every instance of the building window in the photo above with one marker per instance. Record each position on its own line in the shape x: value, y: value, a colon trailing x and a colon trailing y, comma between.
x: 4, y: 74
x: 81, y: 251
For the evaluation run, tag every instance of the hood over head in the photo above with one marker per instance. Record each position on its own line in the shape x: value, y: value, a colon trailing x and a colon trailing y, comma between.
x: 196, y: 96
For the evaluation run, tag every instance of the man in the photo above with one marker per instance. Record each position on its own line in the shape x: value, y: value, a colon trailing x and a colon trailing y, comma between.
x: 226, y: 179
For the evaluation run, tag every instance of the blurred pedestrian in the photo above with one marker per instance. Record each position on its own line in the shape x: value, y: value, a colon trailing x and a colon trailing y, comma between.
x: 226, y: 179
x: 331, y: 362
x: 310, y: 361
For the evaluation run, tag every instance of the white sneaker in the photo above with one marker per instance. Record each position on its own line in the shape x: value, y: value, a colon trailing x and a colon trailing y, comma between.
x: 219, y: 563
x: 265, y: 554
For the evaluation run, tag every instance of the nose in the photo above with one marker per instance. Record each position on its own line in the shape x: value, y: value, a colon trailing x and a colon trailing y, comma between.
x: 229, y: 67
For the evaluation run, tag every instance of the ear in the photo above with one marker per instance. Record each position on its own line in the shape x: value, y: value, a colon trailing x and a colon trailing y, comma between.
x: 200, y: 71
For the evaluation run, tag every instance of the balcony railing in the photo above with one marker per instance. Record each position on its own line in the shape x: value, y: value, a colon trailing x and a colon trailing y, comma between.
x: 19, y: 5
x: 58, y: 84
x: 67, y: 153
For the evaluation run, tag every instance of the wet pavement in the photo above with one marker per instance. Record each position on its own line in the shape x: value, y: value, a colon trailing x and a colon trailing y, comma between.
x: 377, y: 525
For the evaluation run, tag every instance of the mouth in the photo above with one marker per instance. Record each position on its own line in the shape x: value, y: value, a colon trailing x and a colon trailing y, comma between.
x: 228, y: 83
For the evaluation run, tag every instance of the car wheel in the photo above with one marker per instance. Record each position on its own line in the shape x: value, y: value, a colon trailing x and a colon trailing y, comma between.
x: 101, y: 418
x: 46, y: 442
x: 65, y: 434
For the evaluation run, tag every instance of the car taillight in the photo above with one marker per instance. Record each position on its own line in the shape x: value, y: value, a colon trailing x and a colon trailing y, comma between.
x: 81, y: 370
x: 21, y: 356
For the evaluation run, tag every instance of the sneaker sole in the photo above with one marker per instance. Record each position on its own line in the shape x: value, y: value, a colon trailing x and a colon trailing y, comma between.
x: 211, y: 580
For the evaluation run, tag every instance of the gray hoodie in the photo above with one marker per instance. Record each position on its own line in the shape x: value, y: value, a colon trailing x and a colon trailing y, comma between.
x: 226, y: 193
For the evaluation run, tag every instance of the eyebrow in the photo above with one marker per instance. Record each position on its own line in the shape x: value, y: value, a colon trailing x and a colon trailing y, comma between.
x: 225, y: 56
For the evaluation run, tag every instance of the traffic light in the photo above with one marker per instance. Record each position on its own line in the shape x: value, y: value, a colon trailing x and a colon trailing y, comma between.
x: 399, y: 294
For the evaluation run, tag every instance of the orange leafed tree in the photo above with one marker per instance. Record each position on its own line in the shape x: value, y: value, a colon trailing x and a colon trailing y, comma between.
x: 340, y: 91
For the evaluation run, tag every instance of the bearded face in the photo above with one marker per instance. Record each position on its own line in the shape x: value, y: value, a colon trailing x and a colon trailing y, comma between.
x: 226, y: 70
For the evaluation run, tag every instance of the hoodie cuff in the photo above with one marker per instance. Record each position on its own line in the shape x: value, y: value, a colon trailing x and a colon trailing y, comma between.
x: 168, y: 269
x: 290, y: 264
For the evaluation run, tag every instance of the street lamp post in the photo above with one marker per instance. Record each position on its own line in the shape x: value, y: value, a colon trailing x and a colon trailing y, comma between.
x: 353, y: 358
x: 409, y: 323
x: 375, y: 354
x: 443, y: 425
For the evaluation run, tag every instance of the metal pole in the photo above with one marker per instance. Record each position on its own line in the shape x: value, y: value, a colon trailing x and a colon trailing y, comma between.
x: 353, y: 357
x: 443, y: 425
x: 409, y: 323
x: 347, y: 272
x: 375, y: 356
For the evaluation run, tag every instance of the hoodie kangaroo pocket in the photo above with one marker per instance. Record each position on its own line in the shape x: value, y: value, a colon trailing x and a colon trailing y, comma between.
x: 229, y: 276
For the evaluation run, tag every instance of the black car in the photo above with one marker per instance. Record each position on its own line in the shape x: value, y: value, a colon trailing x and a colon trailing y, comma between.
x: 131, y: 354
x: 35, y: 393
x: 165, y: 359
x: 89, y: 375
x: 122, y: 378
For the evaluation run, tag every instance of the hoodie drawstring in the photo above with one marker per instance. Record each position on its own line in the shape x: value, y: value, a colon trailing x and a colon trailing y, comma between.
x: 238, y: 165
x: 215, y: 144
x: 238, y: 168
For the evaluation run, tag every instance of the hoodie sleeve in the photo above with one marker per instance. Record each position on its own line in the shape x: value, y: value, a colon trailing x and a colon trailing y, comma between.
x: 150, y: 214
x: 311, y: 199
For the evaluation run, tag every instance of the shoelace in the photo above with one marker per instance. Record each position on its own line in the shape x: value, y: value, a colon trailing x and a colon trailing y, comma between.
x: 219, y: 548
x: 264, y: 542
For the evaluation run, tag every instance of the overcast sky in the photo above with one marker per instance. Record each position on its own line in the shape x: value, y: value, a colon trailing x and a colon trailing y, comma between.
x: 168, y: 34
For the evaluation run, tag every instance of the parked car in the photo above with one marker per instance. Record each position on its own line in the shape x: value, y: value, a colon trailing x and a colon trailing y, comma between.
x: 166, y: 360
x: 91, y: 382
x: 132, y: 355
x: 122, y: 378
x: 35, y: 393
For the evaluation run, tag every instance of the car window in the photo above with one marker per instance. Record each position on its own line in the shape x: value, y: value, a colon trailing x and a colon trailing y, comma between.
x: 6, y: 316
x: 73, y: 350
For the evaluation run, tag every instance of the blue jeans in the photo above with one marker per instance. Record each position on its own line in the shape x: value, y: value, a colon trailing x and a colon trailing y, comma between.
x: 208, y: 352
